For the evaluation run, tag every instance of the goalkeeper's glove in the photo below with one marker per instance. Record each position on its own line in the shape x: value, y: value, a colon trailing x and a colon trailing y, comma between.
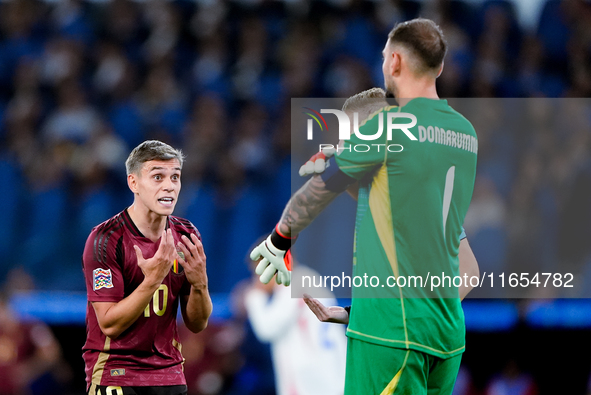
x: 317, y: 163
x: 276, y: 258
x: 281, y: 278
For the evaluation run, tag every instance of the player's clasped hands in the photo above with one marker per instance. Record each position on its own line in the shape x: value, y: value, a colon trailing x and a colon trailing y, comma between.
x: 193, y: 261
x: 157, y: 267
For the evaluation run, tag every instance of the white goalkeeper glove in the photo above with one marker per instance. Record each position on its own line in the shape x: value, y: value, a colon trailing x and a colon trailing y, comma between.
x: 280, y: 278
x: 276, y: 258
x: 318, y: 162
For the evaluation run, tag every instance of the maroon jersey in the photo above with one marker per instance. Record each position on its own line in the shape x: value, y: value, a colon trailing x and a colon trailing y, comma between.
x: 148, y: 353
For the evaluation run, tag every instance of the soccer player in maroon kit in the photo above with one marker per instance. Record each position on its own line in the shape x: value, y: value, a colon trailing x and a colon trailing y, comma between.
x: 138, y: 266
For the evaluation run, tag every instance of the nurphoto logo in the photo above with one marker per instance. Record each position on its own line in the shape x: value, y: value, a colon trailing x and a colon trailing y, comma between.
x: 392, y: 124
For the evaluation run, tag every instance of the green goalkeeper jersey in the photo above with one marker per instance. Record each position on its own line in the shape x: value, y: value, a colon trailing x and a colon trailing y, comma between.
x: 413, y: 197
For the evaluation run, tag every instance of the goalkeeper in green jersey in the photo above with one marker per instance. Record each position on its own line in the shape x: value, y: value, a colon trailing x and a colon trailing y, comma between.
x: 411, y: 206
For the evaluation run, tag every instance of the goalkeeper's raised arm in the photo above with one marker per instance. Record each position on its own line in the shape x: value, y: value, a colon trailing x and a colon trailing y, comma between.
x: 302, y: 208
x: 309, y: 201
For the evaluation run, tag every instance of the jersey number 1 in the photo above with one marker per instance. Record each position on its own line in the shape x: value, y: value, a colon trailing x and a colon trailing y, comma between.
x: 156, y: 302
x: 447, y: 192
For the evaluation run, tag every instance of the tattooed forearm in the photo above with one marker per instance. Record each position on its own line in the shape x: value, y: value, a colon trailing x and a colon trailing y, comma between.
x: 304, y: 206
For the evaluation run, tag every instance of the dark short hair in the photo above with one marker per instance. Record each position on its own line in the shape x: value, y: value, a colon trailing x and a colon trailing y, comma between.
x: 151, y: 150
x: 425, y: 39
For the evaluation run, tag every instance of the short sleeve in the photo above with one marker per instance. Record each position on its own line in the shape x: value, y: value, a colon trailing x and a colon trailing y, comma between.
x: 463, y: 234
x: 358, y: 156
x: 102, y: 263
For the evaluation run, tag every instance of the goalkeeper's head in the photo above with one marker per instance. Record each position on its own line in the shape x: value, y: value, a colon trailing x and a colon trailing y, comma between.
x: 413, y: 57
x: 366, y: 102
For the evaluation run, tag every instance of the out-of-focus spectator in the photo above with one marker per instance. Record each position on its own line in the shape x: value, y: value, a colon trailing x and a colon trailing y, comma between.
x: 30, y: 357
x: 299, y: 54
x: 161, y: 103
x: 459, y: 58
x: 530, y: 68
x: 112, y: 67
x: 62, y: 61
x: 212, y: 357
x: 209, y: 68
x: 347, y: 76
x: 256, y: 375
x: 485, y: 222
x: 512, y: 381
x: 164, y: 23
x: 123, y: 25
x: 70, y: 20
x: 251, y: 148
x: 252, y: 56
x: 463, y: 384
x: 21, y: 39
x: 308, y: 355
x: 205, y: 135
x: 74, y: 119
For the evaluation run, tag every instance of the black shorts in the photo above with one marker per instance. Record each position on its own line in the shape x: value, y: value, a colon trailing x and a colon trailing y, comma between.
x: 113, y: 390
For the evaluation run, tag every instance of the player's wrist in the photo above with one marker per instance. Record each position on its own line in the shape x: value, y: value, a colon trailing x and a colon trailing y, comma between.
x: 281, y: 241
x: 152, y: 282
x: 200, y: 287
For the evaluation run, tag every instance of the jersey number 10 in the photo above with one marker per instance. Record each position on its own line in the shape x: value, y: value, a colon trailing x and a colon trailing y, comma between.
x: 156, y: 302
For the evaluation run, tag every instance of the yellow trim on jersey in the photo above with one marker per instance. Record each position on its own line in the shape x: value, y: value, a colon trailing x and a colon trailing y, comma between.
x: 179, y: 347
x: 92, y: 390
x: 99, y: 366
x: 381, y: 212
x: 379, y: 204
x: 391, y: 387
x: 355, y: 249
x: 407, y: 343
x: 356, y: 166
x: 373, y: 114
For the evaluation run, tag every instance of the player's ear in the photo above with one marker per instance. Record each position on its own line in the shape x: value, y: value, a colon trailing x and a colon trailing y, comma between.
x: 396, y: 64
x: 132, y: 182
x: 440, y: 69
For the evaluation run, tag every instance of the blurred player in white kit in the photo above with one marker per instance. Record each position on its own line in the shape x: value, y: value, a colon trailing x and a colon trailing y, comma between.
x: 308, y: 355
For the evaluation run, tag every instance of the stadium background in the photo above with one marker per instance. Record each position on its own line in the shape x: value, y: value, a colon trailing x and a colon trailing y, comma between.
x: 81, y: 83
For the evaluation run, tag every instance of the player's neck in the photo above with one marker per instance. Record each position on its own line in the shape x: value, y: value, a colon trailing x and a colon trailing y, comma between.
x: 416, y: 88
x: 148, y: 222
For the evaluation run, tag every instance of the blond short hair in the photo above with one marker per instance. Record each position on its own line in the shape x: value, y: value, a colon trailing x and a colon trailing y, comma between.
x: 366, y: 102
x: 151, y: 150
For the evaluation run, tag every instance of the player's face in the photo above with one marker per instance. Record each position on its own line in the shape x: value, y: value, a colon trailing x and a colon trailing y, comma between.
x: 158, y: 185
x: 388, y: 69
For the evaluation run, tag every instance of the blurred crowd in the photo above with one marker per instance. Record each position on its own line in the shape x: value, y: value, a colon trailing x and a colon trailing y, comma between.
x: 82, y: 83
